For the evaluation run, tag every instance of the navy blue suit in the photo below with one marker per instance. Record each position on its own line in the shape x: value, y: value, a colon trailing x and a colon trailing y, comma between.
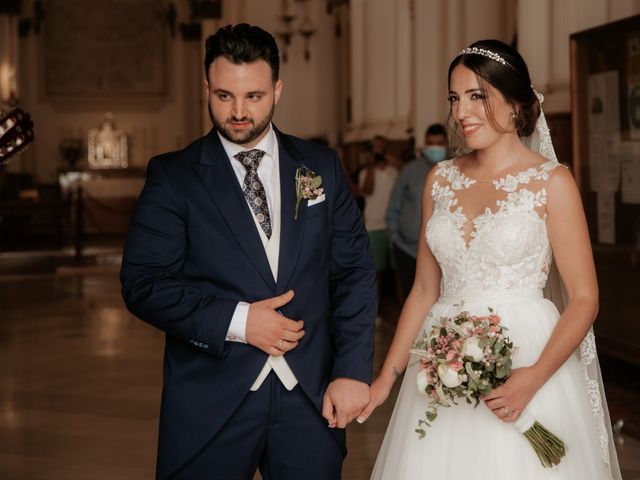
x: 193, y: 252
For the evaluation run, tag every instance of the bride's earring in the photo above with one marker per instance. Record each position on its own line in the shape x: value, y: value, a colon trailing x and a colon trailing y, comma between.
x: 514, y: 117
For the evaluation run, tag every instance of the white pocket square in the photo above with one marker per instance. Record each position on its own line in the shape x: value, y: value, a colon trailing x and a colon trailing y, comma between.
x: 315, y: 201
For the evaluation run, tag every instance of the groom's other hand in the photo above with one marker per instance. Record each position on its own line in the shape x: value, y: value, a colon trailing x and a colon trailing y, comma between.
x: 269, y: 330
x: 343, y: 401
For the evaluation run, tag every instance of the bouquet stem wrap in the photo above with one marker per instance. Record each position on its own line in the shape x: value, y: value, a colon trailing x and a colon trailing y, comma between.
x: 549, y: 448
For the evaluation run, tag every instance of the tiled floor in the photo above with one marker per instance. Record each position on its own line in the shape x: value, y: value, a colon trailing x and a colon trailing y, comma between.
x: 80, y: 383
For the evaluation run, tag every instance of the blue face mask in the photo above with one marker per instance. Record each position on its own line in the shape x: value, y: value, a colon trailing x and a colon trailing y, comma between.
x: 435, y: 153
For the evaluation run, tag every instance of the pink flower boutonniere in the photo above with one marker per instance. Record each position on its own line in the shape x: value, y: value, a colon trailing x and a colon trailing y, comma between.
x: 307, y: 186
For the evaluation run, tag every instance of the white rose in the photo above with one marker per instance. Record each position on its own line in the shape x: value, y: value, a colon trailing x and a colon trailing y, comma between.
x: 449, y: 377
x: 421, y: 381
x: 470, y: 348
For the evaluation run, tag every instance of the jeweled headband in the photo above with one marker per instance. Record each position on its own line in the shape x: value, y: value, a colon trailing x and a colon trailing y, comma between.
x: 484, y: 53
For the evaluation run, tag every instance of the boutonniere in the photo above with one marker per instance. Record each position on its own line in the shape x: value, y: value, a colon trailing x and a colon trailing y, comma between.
x: 307, y: 186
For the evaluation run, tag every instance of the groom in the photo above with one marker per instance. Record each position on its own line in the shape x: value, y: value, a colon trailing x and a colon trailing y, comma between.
x: 267, y: 296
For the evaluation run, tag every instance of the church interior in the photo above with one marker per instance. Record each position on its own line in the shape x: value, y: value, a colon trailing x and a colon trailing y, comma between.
x: 98, y: 88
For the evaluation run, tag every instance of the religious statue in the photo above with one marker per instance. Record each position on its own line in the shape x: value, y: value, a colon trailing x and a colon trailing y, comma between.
x: 107, y: 146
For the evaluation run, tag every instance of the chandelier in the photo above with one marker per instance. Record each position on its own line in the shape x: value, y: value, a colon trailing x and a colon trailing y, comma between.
x: 290, y: 12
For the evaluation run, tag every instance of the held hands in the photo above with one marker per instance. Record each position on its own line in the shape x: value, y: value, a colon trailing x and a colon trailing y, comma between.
x: 343, y: 401
x: 378, y: 394
x: 509, y: 400
x: 270, y: 331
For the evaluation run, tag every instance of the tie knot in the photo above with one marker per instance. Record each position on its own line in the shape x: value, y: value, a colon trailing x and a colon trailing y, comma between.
x: 250, y: 158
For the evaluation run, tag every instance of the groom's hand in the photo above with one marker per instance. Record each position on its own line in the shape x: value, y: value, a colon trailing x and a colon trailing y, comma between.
x: 343, y: 401
x: 270, y: 331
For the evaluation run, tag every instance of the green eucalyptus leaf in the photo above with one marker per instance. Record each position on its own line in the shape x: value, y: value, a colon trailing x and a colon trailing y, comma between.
x: 484, y: 389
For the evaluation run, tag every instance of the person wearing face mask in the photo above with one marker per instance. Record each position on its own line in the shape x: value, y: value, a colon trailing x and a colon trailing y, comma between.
x: 405, y: 206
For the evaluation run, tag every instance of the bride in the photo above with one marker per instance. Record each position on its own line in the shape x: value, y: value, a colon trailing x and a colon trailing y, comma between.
x: 492, y: 218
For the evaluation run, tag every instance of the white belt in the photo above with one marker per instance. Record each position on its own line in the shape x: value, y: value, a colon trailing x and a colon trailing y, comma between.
x: 282, y: 370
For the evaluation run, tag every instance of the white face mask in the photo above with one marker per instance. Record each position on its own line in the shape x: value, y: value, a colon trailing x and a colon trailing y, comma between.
x: 435, y: 153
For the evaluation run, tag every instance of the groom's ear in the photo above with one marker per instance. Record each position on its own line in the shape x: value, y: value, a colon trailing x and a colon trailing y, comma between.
x: 277, y: 91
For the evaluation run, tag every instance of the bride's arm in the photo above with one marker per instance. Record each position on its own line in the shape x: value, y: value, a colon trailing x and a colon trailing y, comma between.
x: 424, y: 293
x: 569, y: 237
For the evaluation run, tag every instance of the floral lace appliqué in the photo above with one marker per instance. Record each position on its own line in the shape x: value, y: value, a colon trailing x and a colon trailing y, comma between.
x: 454, y: 177
x: 588, y: 354
x: 523, y: 200
x: 510, y: 183
x: 507, y: 249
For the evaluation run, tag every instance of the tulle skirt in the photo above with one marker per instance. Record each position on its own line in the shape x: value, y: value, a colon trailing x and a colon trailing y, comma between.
x: 472, y: 443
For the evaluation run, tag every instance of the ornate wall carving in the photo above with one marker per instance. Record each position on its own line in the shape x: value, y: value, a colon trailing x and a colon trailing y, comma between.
x: 105, y: 49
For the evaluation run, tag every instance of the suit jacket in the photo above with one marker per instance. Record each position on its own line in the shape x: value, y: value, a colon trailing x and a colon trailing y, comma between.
x: 193, y: 251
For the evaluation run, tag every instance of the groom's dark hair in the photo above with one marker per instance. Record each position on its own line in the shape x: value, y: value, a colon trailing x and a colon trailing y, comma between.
x: 242, y: 43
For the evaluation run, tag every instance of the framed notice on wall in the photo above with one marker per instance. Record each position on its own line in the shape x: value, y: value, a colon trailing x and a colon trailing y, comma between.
x: 112, y: 51
x: 605, y: 99
x: 605, y: 83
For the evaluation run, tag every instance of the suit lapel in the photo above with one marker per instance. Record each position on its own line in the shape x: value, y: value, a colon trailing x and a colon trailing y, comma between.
x: 291, y: 230
x: 221, y: 183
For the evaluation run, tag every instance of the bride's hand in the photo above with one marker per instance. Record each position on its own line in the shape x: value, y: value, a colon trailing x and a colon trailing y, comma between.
x: 509, y: 400
x: 377, y: 395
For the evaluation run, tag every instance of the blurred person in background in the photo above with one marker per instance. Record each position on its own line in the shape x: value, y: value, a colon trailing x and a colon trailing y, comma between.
x: 405, y: 206
x: 376, y: 183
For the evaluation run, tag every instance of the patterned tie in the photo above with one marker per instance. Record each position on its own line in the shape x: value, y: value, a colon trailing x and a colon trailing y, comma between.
x: 253, y: 189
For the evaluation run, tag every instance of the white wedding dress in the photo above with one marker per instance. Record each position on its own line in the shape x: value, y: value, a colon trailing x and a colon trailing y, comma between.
x: 498, y: 257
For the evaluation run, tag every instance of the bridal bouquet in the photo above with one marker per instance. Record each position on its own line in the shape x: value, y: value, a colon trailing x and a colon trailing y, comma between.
x: 466, y: 357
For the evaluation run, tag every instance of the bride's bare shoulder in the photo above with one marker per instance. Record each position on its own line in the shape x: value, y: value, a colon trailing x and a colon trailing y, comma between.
x: 534, y: 159
x: 462, y: 161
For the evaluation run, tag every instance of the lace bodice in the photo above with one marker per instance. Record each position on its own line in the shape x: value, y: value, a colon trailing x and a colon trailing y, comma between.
x: 502, y: 248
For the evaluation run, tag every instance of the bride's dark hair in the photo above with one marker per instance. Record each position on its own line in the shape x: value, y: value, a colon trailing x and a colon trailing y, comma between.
x: 511, y: 79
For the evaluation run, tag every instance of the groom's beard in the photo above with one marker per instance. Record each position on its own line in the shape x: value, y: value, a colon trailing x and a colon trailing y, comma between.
x: 241, y: 137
